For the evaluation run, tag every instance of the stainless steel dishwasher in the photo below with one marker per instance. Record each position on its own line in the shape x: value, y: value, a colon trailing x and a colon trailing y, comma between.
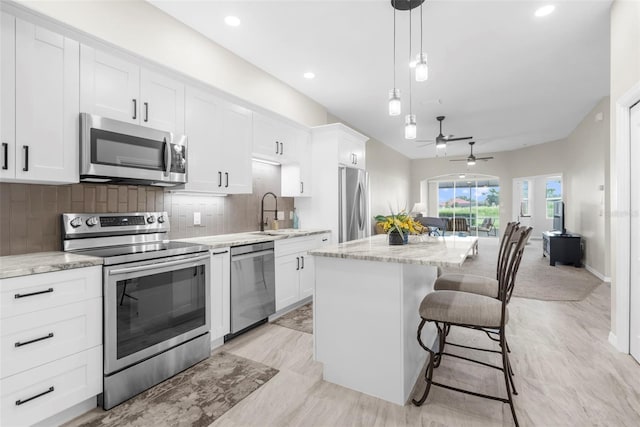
x: 253, y: 293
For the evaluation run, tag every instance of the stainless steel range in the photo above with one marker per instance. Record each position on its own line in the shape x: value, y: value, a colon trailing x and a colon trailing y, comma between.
x: 155, y: 296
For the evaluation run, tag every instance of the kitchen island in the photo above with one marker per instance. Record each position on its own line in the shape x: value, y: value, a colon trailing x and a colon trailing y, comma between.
x: 366, y: 300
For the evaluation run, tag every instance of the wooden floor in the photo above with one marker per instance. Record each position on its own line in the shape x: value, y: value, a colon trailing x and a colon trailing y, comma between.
x: 566, y: 373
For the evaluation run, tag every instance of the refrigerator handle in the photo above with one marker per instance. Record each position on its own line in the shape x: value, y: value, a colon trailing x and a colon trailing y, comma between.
x: 360, y: 213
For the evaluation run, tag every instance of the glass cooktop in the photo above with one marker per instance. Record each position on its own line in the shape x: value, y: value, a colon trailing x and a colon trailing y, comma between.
x: 143, y: 251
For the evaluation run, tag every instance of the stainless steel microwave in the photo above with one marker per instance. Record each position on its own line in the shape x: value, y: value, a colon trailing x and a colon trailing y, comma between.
x: 125, y: 153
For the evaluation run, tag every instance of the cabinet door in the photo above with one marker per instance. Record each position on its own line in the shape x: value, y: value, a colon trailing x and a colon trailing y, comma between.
x: 266, y: 144
x: 287, y: 280
x: 220, y: 292
x: 47, y: 100
x: 235, y: 156
x: 359, y: 154
x: 305, y: 162
x: 307, y: 275
x: 162, y: 102
x: 202, y: 125
x: 109, y: 86
x: 8, y: 96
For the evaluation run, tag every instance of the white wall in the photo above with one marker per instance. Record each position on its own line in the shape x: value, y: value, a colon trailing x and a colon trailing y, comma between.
x: 146, y: 31
x: 625, y: 73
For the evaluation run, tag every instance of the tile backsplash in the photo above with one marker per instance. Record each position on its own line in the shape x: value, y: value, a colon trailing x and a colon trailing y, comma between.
x: 30, y: 213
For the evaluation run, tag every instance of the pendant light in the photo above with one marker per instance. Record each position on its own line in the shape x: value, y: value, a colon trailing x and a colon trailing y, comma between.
x: 410, y: 119
x: 395, y: 106
x: 422, y: 71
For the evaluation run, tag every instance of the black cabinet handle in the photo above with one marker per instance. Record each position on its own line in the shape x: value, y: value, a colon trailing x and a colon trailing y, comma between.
x: 219, y: 179
x: 301, y: 187
x: 226, y: 178
x: 281, y: 148
x: 20, y: 402
x: 135, y: 109
x: 33, y: 293
x: 325, y: 239
x: 277, y: 151
x: 26, y: 158
x: 146, y: 111
x: 5, y: 156
x: 302, y: 258
x: 297, y: 263
x: 46, y: 337
x: 219, y: 253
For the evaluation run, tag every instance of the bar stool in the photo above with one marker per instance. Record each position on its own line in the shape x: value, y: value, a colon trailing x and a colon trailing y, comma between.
x: 447, y: 308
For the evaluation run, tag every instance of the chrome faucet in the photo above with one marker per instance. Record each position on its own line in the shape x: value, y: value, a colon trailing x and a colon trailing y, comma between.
x: 262, y: 211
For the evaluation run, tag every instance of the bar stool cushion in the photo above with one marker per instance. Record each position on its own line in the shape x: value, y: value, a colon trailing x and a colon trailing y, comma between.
x: 462, y: 308
x: 472, y: 283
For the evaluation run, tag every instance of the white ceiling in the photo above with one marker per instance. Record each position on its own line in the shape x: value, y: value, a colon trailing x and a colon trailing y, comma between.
x: 498, y: 73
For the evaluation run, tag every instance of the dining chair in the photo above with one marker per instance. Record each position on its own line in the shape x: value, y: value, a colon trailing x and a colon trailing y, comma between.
x: 446, y: 308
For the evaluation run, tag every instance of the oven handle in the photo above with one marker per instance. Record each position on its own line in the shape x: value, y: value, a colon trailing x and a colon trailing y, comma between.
x: 156, y: 265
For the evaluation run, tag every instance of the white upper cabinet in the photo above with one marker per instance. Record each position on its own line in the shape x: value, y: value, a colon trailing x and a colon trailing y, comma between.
x: 118, y: 89
x: 40, y: 100
x: 273, y: 140
x: 296, y: 176
x: 219, y: 153
x: 351, y: 152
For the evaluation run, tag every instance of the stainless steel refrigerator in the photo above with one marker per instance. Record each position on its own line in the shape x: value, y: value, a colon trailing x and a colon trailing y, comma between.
x: 354, y: 220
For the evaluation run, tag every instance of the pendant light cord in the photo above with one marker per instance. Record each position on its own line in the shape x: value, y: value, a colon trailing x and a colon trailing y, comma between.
x: 410, y: 111
x: 394, y: 44
x: 421, y: 31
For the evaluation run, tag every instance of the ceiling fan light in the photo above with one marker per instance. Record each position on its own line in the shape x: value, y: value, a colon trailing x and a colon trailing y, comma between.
x: 410, y: 129
x: 471, y: 161
x: 441, y: 144
x: 395, y: 106
x: 422, y: 71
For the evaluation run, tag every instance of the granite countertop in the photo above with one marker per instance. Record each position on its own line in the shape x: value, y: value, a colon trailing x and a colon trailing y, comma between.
x: 449, y: 251
x: 250, y: 237
x: 43, y: 262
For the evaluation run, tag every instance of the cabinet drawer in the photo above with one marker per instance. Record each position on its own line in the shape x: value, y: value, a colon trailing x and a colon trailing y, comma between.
x: 293, y: 245
x: 37, y: 338
x: 26, y: 294
x: 58, y: 385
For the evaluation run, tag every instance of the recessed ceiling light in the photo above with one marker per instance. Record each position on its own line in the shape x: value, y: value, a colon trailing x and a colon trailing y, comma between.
x: 232, y: 21
x: 309, y: 75
x: 545, y: 10
x: 461, y: 176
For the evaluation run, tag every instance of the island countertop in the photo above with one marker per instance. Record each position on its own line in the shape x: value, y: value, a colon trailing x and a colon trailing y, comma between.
x: 449, y: 251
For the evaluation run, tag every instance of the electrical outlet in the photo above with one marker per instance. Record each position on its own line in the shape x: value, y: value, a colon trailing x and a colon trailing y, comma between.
x: 196, y: 218
x: 280, y: 214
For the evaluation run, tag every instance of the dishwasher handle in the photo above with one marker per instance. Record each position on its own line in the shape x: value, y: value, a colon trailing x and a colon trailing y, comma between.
x: 251, y: 255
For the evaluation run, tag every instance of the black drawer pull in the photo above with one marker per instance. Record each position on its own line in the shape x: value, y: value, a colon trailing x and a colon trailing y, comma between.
x: 219, y: 179
x: 297, y: 263
x: 135, y: 109
x: 5, y: 156
x: 219, y: 253
x: 302, y: 258
x: 146, y: 111
x: 325, y: 239
x: 20, y: 402
x: 46, y: 337
x: 33, y: 293
x: 25, y: 148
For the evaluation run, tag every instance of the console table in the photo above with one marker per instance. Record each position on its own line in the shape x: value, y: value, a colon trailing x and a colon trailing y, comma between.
x: 564, y: 248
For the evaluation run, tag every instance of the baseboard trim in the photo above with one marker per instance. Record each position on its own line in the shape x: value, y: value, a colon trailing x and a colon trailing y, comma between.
x: 289, y: 308
x: 613, y: 340
x: 596, y: 273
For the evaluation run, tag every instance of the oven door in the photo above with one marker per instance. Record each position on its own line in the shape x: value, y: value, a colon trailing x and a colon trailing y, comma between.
x: 111, y: 150
x: 152, y: 306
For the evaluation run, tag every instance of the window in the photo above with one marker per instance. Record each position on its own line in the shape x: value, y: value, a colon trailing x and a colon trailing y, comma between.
x: 524, y: 199
x: 553, y: 192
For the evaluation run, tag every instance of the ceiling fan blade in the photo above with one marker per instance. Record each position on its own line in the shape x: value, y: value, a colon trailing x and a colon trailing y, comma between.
x: 484, y: 158
x: 462, y: 138
x: 457, y: 160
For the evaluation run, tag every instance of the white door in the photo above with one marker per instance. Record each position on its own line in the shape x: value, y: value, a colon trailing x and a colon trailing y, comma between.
x: 8, y: 97
x: 287, y: 270
x: 162, y: 102
x: 109, y: 86
x: 235, y: 153
x: 47, y: 105
x: 522, y: 201
x: 634, y: 344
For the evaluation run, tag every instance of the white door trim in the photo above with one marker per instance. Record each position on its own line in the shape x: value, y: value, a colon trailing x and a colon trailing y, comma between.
x: 621, y: 217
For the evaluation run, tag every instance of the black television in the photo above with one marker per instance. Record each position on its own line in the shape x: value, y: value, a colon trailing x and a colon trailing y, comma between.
x: 558, y: 217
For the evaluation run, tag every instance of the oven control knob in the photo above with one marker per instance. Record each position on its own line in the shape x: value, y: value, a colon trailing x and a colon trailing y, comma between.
x: 160, y: 219
x: 92, y: 221
x: 151, y: 219
x: 76, y: 222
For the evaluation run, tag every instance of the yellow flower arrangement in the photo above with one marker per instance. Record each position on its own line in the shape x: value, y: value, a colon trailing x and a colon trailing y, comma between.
x: 400, y: 222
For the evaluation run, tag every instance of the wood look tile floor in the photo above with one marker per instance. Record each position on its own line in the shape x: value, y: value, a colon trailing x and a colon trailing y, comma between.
x: 566, y: 375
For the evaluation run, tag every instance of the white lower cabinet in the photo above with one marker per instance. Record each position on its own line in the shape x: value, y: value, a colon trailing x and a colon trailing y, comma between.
x: 51, y: 343
x: 295, y: 268
x: 220, y: 292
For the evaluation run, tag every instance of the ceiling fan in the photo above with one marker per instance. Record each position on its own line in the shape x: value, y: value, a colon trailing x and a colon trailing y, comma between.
x: 441, y: 140
x: 471, y: 160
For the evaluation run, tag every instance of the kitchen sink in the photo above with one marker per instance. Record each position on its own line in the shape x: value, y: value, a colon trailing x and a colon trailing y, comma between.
x: 283, y: 232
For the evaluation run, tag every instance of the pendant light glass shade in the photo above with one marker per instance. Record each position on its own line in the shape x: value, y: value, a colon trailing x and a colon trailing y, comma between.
x: 395, y: 106
x: 422, y: 71
x: 410, y: 126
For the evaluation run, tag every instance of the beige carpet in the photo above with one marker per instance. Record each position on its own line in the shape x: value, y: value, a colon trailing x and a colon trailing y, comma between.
x: 300, y: 319
x: 195, y: 397
x: 536, y: 278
